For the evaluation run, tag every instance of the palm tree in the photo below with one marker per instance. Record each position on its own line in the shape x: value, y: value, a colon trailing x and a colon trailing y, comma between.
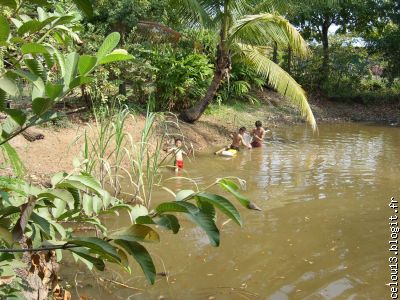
x: 249, y: 38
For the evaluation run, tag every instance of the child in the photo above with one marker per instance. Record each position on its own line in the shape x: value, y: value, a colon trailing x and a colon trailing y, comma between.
x: 237, y: 139
x: 258, y: 134
x: 178, y: 151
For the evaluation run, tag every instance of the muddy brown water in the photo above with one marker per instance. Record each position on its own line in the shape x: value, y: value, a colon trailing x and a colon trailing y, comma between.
x: 322, y: 234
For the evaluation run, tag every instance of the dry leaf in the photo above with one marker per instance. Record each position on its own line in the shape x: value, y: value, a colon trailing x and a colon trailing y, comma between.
x: 6, y: 279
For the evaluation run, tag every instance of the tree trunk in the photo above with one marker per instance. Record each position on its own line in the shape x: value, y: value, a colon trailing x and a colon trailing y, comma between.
x: 275, y: 54
x: 86, y: 97
x: 222, y: 69
x: 325, y: 47
x: 289, y: 60
x: 194, y: 113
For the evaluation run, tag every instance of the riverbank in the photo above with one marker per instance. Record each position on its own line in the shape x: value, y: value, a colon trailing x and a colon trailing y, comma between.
x: 61, y: 145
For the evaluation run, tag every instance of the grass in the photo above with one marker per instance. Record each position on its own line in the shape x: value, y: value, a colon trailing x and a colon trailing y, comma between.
x: 244, y: 114
x: 113, y: 155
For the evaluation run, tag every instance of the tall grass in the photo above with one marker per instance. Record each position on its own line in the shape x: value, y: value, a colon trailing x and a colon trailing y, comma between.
x: 117, y: 159
x: 104, y: 144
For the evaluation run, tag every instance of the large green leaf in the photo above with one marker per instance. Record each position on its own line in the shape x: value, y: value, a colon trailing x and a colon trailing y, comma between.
x: 85, y: 6
x: 85, y: 257
x: 116, y: 55
x: 232, y: 188
x: 167, y: 221
x: 88, y: 181
x: 6, y: 236
x: 42, y: 14
x: 71, y: 64
x: 208, y: 225
x: 34, y: 26
x: 34, y: 79
x: 109, y: 44
x: 86, y: 64
x: 41, y: 105
x: 184, y: 195
x: 61, y: 194
x: 18, y: 116
x: 53, y: 90
x: 136, y: 232
x: 44, y: 225
x: 15, y: 185
x: 223, y: 204
x: 177, y: 207
x: 6, y: 211
x: 9, y: 86
x: 141, y: 256
x: 4, y: 29
x: 36, y: 68
x: 63, y: 20
x: 59, y: 208
x: 17, y: 24
x: 80, y: 80
x: 58, y: 57
x: 97, y: 204
x: 87, y: 204
x: 207, y: 208
x: 31, y: 26
x: 98, y: 246
x: 10, y: 3
x: 138, y: 211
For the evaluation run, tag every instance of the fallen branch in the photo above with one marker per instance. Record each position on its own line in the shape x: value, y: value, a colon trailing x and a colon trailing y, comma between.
x: 32, y: 136
x: 48, y: 248
x: 120, y: 284
x: 77, y: 110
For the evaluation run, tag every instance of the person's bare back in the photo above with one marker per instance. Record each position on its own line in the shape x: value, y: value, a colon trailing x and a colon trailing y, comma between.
x: 237, y: 139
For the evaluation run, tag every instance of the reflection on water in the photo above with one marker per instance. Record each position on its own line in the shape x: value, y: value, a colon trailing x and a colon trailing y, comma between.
x: 322, y: 233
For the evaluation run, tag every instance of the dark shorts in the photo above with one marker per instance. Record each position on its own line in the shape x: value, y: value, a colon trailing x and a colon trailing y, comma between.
x: 256, y: 144
x: 234, y: 148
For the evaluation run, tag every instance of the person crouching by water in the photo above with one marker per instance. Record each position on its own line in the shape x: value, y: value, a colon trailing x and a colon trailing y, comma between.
x: 258, y: 134
x: 178, y: 152
x: 238, y: 140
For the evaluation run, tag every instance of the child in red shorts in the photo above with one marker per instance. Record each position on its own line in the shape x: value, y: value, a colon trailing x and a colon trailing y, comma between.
x: 178, y: 151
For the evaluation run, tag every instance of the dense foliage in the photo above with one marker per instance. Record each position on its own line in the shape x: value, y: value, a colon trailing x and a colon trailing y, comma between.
x: 174, y: 55
x: 365, y: 32
x: 39, y: 62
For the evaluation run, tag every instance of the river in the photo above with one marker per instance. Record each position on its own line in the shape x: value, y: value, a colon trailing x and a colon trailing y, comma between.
x: 322, y: 233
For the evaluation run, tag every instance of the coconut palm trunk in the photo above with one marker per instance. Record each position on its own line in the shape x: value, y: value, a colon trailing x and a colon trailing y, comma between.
x: 248, y: 37
x: 222, y: 68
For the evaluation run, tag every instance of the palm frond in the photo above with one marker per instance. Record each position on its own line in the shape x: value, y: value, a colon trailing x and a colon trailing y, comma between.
x: 239, y: 7
x: 282, y: 6
x: 262, y: 29
x: 279, y: 79
x: 271, y: 6
x: 192, y: 12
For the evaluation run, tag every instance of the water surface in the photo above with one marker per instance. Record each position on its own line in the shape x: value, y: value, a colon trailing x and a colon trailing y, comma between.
x: 322, y: 234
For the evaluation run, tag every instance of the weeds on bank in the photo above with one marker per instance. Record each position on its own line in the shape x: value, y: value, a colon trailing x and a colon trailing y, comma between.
x: 119, y: 160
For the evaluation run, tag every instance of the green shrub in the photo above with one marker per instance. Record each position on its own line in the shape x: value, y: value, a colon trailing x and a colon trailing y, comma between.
x: 181, y: 79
